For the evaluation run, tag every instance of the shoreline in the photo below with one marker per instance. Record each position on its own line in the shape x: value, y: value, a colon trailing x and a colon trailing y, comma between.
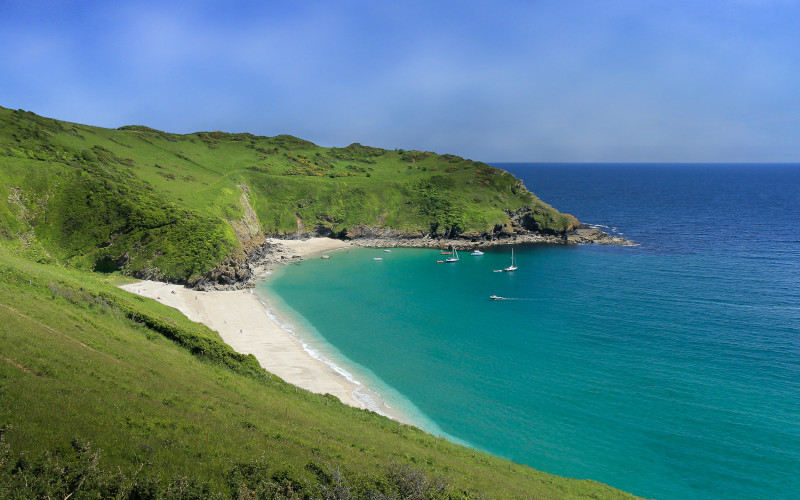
x: 585, y: 234
x: 243, y: 321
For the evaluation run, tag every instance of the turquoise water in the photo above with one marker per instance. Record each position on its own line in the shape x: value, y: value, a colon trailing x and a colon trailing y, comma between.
x: 670, y: 369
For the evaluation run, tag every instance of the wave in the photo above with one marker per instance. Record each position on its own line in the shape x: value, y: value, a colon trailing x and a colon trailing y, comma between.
x: 370, y: 399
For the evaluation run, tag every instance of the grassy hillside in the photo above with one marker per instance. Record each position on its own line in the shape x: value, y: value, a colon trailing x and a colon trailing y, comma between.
x: 174, y: 206
x: 107, y: 394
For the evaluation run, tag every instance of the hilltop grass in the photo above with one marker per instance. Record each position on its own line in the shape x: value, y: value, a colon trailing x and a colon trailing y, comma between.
x: 164, y: 205
x: 87, y: 367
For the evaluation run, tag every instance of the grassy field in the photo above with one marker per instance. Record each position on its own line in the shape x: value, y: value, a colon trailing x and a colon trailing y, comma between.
x: 110, y: 394
x: 165, y: 205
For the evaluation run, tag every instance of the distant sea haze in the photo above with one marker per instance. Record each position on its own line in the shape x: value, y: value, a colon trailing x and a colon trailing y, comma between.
x: 670, y: 369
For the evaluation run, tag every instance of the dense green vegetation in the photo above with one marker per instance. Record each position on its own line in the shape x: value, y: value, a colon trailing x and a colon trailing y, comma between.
x: 158, y: 204
x: 107, y: 394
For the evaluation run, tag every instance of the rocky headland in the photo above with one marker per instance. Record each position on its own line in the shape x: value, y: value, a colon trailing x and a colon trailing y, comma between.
x: 264, y: 253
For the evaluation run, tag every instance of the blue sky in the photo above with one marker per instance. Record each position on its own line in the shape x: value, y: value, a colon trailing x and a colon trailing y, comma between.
x: 561, y: 80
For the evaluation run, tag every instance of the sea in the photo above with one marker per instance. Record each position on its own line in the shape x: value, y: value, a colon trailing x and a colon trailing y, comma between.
x: 669, y: 369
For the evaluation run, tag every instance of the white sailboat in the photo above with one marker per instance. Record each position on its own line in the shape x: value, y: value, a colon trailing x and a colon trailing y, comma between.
x: 513, y: 266
x: 454, y: 258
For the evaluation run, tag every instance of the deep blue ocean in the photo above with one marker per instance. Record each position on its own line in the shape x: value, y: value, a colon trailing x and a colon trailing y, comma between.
x: 670, y: 369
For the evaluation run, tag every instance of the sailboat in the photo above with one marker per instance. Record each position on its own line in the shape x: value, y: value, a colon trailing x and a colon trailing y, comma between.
x: 513, y: 266
x: 454, y: 258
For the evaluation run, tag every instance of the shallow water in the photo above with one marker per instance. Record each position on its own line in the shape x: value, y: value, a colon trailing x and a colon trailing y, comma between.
x: 670, y: 369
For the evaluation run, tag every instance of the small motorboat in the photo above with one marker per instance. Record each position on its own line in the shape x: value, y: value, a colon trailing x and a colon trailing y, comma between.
x: 495, y: 297
x: 476, y: 252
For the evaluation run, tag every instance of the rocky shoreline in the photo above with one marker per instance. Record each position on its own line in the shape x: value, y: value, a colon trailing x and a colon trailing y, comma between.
x: 241, y: 271
x: 583, y: 234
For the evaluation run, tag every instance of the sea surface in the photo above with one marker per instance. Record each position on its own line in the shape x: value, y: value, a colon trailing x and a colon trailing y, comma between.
x: 670, y: 369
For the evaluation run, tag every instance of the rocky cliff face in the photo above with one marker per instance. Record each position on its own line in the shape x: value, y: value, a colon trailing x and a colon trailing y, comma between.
x: 236, y: 272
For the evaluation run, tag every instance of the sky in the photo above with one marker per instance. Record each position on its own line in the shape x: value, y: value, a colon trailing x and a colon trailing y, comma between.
x: 528, y: 81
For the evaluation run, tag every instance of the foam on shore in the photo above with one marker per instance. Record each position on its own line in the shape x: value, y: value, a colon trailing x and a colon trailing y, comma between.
x: 367, y: 398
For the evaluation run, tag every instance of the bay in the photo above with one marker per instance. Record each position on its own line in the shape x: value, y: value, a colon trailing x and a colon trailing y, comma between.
x: 670, y: 369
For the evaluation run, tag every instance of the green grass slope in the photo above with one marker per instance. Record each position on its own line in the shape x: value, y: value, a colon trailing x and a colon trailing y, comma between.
x: 106, y: 394
x: 173, y: 206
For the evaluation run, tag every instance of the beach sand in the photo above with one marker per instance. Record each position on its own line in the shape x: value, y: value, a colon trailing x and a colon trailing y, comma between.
x: 312, y: 246
x: 243, y: 323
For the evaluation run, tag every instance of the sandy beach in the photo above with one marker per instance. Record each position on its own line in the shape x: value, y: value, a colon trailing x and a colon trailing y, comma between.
x: 242, y: 321
x: 313, y: 246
